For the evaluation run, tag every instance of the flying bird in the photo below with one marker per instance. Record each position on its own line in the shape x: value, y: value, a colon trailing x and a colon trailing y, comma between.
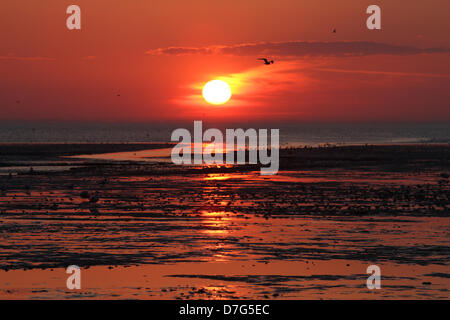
x: 266, y: 62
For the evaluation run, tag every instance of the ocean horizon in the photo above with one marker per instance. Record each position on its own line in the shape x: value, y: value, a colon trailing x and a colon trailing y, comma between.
x: 310, y: 134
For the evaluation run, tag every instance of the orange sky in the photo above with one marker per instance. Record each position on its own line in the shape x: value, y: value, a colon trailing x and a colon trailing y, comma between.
x: 127, y: 47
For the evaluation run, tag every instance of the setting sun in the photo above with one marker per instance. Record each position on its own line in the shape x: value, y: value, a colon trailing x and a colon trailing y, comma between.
x: 217, y: 92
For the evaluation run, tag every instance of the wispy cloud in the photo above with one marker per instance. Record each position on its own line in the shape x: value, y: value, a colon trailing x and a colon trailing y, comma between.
x: 16, y: 58
x: 299, y: 49
x: 386, y: 73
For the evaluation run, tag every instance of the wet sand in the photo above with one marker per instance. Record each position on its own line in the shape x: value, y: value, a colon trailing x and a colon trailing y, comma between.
x: 151, y: 230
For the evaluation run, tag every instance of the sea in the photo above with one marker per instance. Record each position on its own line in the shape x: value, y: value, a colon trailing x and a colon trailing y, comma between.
x: 291, y: 134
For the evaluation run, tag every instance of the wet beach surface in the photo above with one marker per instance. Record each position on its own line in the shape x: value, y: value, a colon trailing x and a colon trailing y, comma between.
x: 151, y: 230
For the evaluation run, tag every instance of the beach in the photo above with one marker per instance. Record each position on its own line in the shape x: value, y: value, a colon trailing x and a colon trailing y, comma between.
x: 140, y: 227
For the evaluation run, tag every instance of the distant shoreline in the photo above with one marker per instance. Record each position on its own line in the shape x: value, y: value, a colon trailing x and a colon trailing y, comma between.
x: 403, y: 157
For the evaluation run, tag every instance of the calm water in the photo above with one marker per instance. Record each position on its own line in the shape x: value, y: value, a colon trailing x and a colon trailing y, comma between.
x: 308, y: 134
x: 297, y: 235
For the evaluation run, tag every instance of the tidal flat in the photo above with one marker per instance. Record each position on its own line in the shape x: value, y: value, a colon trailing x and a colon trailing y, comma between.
x: 143, y: 228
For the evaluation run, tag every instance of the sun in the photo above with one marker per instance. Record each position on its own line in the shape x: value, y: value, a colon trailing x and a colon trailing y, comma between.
x: 217, y: 92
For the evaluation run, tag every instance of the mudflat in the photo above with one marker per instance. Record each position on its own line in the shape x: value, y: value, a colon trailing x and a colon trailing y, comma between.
x: 152, y: 230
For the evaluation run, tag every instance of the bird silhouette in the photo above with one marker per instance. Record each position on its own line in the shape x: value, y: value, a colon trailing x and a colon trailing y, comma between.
x: 334, y: 30
x: 266, y: 62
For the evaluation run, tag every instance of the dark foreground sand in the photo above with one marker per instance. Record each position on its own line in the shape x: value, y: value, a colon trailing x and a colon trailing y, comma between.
x: 151, y: 230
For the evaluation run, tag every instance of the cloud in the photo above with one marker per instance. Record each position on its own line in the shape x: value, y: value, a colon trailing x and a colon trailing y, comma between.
x: 386, y: 73
x: 300, y: 49
x: 16, y: 58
